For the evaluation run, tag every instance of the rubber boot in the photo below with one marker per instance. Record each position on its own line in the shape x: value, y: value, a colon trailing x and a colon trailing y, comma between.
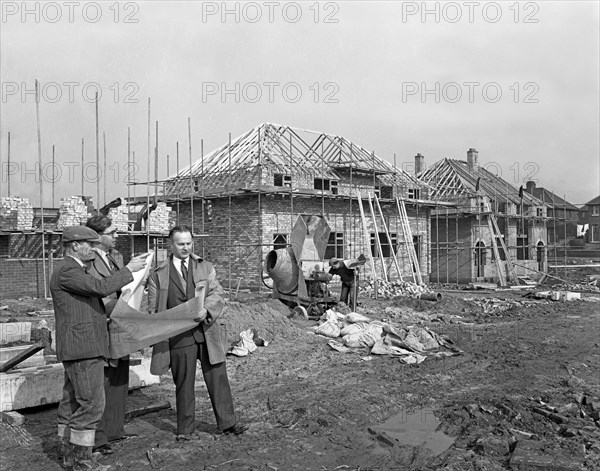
x: 83, y: 460
x: 66, y: 452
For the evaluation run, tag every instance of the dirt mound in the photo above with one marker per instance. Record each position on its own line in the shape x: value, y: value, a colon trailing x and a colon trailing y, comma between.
x: 268, y: 317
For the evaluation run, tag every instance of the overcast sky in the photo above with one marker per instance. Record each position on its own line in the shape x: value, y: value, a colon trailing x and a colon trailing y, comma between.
x: 517, y: 81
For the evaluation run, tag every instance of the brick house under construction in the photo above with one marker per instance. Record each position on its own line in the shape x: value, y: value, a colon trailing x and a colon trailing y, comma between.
x: 480, y: 215
x: 245, y: 197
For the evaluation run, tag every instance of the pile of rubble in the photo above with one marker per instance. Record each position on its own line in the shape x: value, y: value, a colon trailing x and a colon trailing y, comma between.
x: 590, y: 287
x: 16, y: 213
x: 391, y: 289
x: 160, y: 219
x: 72, y: 211
x: 120, y: 217
x: 412, y: 344
x: 496, y: 305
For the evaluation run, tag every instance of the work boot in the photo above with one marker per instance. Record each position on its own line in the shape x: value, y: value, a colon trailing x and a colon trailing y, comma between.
x: 66, y: 452
x: 83, y: 460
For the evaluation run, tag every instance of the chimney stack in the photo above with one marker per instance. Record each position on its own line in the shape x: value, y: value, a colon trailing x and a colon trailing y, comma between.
x: 472, y: 160
x: 419, y: 163
x: 530, y: 187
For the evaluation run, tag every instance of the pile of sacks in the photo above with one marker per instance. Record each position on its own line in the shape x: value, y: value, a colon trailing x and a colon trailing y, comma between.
x: 412, y: 344
x: 391, y: 289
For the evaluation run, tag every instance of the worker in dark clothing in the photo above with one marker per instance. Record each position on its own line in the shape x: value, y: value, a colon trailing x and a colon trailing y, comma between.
x: 349, y: 278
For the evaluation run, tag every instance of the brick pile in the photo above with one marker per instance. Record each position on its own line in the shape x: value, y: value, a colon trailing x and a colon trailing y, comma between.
x: 73, y: 211
x: 159, y: 219
x: 119, y: 217
x: 16, y: 213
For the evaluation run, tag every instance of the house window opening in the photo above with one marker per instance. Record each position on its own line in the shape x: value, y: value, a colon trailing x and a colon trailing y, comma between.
x: 386, y: 250
x: 335, y: 246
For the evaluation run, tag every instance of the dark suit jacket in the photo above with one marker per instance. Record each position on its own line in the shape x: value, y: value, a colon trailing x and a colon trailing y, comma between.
x: 158, y: 288
x: 100, y: 270
x: 79, y: 311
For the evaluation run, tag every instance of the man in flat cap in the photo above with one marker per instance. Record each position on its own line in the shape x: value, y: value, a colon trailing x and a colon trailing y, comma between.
x: 82, y: 343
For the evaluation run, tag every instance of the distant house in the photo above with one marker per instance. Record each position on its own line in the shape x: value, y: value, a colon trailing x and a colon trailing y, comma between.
x: 563, y: 216
x: 463, y: 235
x: 590, y: 214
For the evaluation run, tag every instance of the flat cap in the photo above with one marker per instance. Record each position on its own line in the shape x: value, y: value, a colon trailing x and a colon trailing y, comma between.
x: 79, y: 233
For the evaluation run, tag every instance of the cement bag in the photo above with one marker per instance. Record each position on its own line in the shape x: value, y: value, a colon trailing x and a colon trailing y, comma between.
x: 426, y: 339
x: 360, y: 339
x: 375, y: 329
x: 353, y: 340
x: 329, y: 329
x: 353, y: 328
x: 412, y: 342
x: 247, y: 340
x: 331, y: 315
x: 354, y: 317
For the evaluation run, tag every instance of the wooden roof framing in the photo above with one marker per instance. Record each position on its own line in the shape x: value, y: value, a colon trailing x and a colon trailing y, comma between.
x: 451, y: 180
x: 286, y: 150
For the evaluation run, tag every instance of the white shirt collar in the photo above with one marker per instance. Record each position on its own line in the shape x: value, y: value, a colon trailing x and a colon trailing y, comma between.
x: 77, y: 260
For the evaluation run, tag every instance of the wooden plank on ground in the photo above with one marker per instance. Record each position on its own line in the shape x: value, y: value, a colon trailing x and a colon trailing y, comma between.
x: 21, y: 356
x: 147, y: 409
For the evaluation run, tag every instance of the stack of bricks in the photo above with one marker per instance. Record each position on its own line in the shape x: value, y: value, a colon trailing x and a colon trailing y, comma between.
x: 159, y: 219
x: 119, y: 217
x: 16, y: 214
x: 72, y: 212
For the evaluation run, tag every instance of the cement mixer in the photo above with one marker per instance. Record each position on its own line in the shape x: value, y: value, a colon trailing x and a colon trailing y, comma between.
x: 299, y: 272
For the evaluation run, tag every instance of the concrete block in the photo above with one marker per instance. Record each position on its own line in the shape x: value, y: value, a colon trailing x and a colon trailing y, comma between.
x: 139, y: 375
x: 37, y: 359
x: 34, y: 386
x: 12, y: 417
x: 29, y: 387
x: 15, y: 332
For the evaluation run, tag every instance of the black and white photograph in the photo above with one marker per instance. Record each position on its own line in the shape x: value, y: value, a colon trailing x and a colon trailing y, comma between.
x: 300, y: 235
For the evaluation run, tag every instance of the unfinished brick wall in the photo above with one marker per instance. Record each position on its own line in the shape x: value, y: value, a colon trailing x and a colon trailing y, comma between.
x: 24, y: 277
x: 239, y: 257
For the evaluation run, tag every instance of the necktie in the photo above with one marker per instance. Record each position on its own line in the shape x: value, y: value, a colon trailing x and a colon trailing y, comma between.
x: 184, y: 272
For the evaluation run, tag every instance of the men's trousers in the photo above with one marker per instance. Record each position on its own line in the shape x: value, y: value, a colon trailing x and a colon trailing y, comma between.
x: 183, y: 367
x: 83, y: 401
x: 116, y: 389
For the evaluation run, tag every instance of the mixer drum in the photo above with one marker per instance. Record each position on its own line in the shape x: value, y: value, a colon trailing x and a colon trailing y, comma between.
x: 281, y: 266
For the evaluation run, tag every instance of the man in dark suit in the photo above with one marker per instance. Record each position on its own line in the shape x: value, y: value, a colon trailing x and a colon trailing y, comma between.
x: 82, y: 343
x: 180, y: 278
x: 107, y: 261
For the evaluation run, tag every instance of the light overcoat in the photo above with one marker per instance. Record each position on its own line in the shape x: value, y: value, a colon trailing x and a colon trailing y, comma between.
x: 214, y: 331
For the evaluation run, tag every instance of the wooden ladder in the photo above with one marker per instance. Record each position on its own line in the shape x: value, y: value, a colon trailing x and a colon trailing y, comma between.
x: 408, y: 240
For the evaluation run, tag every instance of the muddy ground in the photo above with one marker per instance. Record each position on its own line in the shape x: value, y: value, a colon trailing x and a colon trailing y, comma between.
x: 523, y: 395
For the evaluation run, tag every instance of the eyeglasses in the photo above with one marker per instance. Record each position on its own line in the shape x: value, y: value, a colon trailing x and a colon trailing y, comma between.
x: 111, y: 233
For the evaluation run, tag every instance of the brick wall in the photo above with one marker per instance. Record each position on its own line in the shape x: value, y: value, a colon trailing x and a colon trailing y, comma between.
x: 24, y: 277
x: 238, y: 256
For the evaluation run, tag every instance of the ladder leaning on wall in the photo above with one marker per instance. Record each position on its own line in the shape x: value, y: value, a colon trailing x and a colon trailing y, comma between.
x: 497, y: 235
x: 408, y: 240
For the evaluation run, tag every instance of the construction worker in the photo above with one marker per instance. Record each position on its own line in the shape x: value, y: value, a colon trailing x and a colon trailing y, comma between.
x: 349, y: 277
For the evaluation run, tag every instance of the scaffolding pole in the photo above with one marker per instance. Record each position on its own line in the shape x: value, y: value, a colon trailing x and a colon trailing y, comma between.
x: 39, y: 145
